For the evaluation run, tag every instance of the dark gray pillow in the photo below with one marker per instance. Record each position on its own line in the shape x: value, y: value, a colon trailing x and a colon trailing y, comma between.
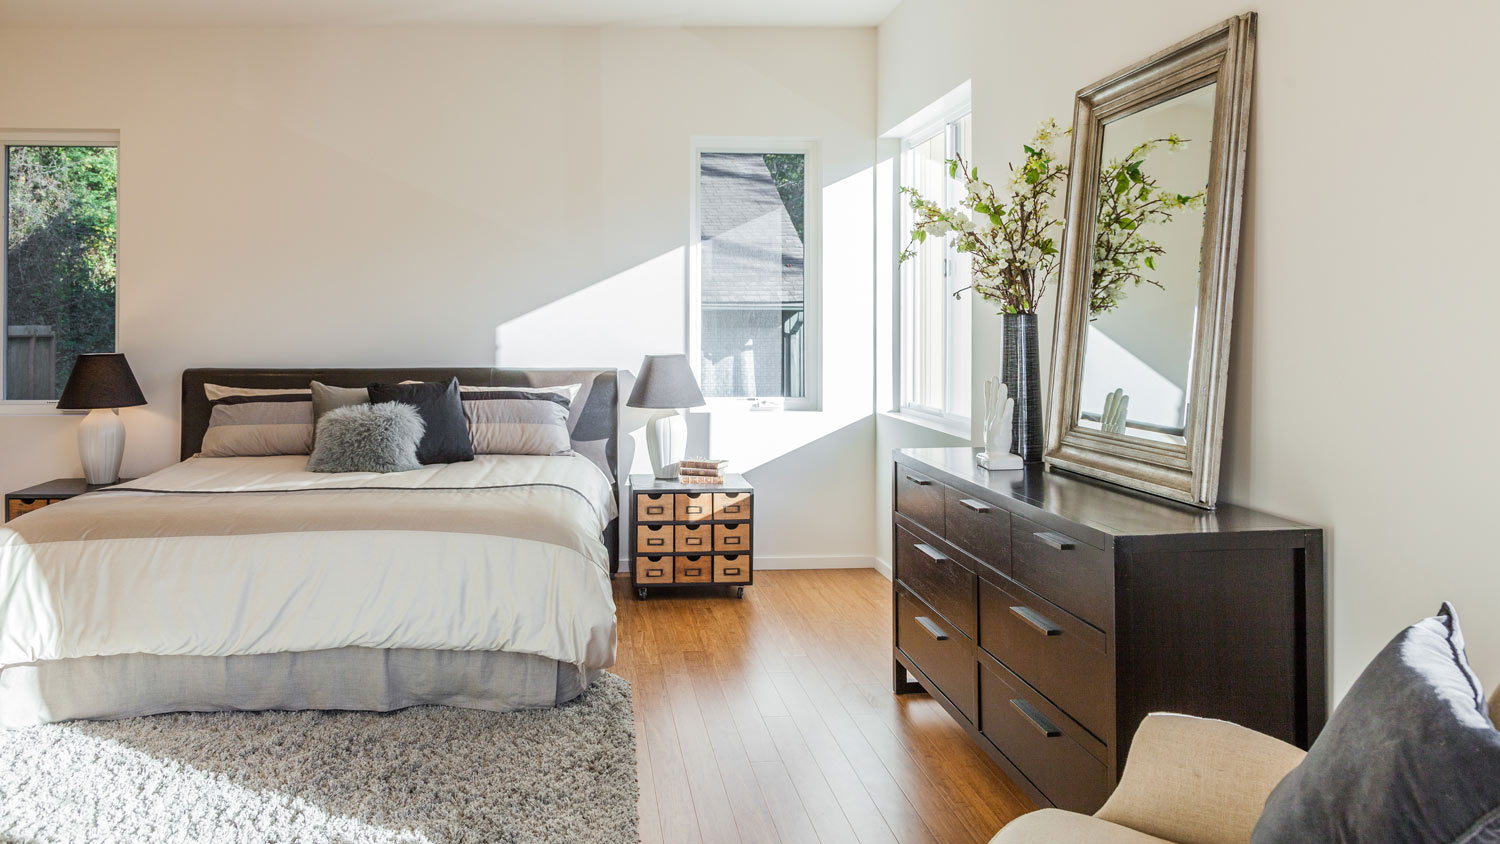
x: 368, y: 438
x: 1409, y: 756
x: 447, y: 436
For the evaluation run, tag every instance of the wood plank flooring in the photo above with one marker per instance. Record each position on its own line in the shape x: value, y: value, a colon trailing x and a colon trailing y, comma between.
x: 771, y: 719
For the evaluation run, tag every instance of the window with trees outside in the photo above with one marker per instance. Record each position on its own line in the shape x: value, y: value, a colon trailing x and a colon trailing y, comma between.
x: 934, y: 335
x: 58, y: 278
x: 754, y: 271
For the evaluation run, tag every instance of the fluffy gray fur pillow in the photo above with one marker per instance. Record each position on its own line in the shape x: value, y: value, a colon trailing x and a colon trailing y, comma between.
x: 368, y: 438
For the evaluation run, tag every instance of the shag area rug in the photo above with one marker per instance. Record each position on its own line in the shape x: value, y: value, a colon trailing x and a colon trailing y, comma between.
x: 426, y: 774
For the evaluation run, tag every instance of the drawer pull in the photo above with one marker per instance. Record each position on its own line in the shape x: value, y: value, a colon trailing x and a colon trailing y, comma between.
x: 655, y: 572
x: 933, y: 630
x: 1056, y: 540
x: 919, y: 481
x: 1035, y: 619
x: 932, y: 553
x: 693, y: 572
x: 976, y: 506
x: 1037, y: 719
x: 731, y: 572
x: 655, y: 509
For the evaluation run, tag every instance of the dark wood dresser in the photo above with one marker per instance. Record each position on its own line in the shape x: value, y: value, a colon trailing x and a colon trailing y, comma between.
x: 1049, y: 613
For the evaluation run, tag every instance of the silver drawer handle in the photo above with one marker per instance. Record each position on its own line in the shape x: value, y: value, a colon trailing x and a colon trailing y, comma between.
x: 932, y: 629
x: 1035, y: 619
x: 919, y: 481
x: 976, y: 506
x: 1037, y: 719
x: 1056, y: 540
x: 932, y: 553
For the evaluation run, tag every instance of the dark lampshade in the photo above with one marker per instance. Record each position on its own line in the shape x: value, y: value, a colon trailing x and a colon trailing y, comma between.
x: 101, y: 381
x: 665, y: 381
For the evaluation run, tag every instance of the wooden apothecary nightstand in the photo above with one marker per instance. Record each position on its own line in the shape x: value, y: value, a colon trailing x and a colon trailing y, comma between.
x: 39, y: 496
x: 691, y: 534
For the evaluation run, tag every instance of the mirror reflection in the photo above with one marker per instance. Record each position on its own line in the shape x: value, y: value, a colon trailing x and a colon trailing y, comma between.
x: 1143, y: 294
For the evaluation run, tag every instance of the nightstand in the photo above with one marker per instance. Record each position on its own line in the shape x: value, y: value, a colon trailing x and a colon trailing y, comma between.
x: 51, y: 492
x: 691, y: 534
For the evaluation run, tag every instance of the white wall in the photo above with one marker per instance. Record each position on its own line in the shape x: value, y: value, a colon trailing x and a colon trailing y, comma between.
x: 1360, y: 388
x: 429, y: 196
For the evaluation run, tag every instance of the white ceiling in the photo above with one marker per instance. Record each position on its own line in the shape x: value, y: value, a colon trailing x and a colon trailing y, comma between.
x: 386, y: 12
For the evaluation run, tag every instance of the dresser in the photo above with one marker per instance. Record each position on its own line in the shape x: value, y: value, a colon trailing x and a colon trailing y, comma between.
x: 691, y: 534
x: 1049, y: 613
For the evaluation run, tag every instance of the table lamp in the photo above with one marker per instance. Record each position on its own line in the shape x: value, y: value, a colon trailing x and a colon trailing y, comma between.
x: 666, y: 382
x: 101, y: 384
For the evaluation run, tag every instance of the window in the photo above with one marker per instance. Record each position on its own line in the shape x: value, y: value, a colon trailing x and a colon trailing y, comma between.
x: 58, y: 278
x: 934, y: 325
x: 754, y: 271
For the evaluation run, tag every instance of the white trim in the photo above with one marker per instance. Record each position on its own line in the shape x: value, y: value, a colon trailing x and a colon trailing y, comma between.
x: 884, y: 567
x: 36, y: 138
x: 950, y: 425
x: 812, y: 267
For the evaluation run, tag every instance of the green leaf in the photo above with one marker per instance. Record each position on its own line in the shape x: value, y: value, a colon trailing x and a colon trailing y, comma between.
x: 996, y: 218
x: 953, y: 169
x: 919, y: 236
x: 981, y: 208
x: 1150, y: 262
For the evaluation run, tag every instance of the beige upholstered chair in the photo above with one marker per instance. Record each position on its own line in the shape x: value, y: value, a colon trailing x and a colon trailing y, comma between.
x: 1187, y: 781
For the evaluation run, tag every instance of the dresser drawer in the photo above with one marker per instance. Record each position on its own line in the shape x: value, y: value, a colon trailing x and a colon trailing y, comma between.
x: 653, y: 570
x: 693, y: 539
x: 653, y: 506
x: 945, y: 655
x: 694, y: 568
x: 1075, y: 576
x: 732, y: 537
x: 1048, y: 747
x: 653, y: 539
x: 920, y: 498
x: 978, y: 527
x: 694, y: 506
x: 732, y: 506
x: 1059, y: 655
x: 934, y: 575
x: 732, y: 568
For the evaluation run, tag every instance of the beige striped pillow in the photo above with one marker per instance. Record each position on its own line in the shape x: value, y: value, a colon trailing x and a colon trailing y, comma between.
x: 519, y: 420
x: 259, y: 425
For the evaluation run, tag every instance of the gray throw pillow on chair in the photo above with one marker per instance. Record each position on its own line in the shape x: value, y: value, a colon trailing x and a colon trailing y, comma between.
x: 368, y: 438
x: 1409, y: 757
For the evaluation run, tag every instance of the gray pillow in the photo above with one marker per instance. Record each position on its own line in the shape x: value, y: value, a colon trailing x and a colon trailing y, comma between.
x: 326, y: 398
x: 1409, y: 757
x: 368, y: 438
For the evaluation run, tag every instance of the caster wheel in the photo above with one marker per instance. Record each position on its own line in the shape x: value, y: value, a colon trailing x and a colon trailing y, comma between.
x: 640, y: 593
x: 739, y: 592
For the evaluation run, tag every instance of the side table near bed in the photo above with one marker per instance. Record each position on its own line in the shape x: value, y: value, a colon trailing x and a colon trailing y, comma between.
x: 691, y: 534
x: 51, y: 492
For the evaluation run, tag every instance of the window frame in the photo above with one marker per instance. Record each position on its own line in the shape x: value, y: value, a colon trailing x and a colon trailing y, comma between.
x: 945, y: 123
x: 43, y: 138
x: 812, y: 266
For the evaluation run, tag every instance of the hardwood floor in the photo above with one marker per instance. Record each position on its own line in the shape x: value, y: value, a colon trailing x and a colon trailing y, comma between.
x: 771, y: 719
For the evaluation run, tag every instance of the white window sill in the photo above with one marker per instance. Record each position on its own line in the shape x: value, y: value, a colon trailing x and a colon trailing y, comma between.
x: 16, y: 407
x: 951, y: 426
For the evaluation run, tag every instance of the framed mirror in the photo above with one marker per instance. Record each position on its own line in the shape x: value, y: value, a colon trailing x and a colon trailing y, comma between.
x: 1141, y: 345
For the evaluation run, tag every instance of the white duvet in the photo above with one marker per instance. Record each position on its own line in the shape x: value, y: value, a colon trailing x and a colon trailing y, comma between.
x: 226, y: 556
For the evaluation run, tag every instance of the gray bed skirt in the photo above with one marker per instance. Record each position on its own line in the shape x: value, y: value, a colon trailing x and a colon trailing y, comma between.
x: 371, y: 679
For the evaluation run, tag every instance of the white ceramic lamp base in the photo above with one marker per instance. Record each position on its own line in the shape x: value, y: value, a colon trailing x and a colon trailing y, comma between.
x: 101, y: 444
x: 666, y: 443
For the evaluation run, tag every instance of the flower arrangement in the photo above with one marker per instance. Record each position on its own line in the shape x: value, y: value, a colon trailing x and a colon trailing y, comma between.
x: 1129, y: 200
x: 1011, y: 239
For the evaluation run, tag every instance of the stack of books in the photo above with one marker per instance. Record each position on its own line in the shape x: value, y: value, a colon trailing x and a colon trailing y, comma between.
x: 701, y: 471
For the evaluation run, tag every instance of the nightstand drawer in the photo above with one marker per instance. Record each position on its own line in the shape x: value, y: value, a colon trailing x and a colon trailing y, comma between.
x: 653, y: 507
x: 732, y: 537
x: 653, y: 569
x: 732, y: 506
x: 694, y: 506
x: 695, y: 568
x: 732, y: 568
x: 16, y: 506
x: 653, y: 539
x: 693, y: 539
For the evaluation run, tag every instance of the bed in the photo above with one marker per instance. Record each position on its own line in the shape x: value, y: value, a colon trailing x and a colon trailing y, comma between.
x: 246, y: 583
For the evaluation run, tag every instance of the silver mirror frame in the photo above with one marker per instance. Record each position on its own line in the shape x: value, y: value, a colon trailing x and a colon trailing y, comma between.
x: 1187, y: 472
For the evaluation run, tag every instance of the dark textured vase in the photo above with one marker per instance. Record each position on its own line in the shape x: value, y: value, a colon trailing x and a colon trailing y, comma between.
x: 1020, y: 369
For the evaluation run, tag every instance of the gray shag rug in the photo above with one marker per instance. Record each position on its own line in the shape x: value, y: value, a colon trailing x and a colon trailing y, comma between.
x: 426, y: 774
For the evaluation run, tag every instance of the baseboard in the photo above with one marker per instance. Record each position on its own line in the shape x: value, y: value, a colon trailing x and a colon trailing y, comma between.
x: 817, y: 562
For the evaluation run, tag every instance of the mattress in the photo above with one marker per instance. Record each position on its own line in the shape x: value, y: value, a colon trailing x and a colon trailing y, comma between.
x: 226, y: 557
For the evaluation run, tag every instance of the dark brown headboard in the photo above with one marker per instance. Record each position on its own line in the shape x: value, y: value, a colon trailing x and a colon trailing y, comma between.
x: 593, y: 423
